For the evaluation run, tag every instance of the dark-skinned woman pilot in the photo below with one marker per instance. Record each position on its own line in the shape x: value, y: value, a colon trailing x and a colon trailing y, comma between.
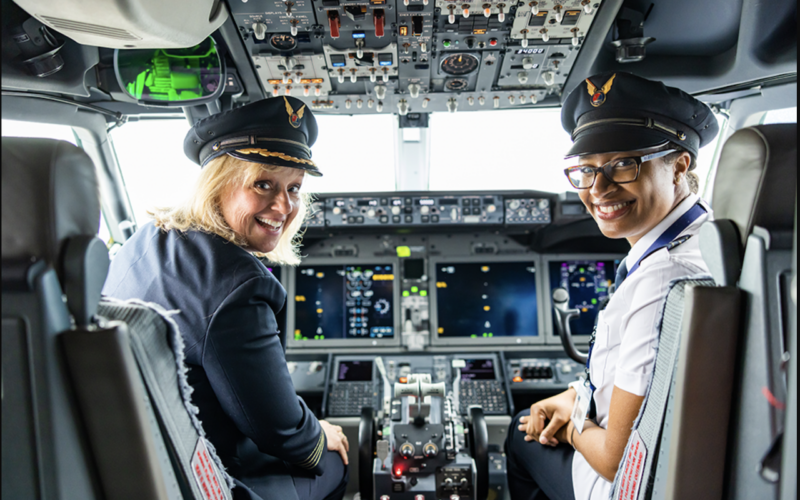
x: 635, y: 142
x: 200, y: 258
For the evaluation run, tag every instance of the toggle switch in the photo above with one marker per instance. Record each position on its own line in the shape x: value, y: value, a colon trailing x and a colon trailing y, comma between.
x: 533, y: 99
x: 402, y: 107
x: 348, y: 103
x: 276, y: 91
x: 317, y: 90
x: 353, y: 75
x: 481, y: 100
x: 545, y: 34
x: 413, y: 90
x: 341, y: 75
x: 534, y: 7
x: 380, y: 91
x: 487, y: 10
x: 524, y: 41
x: 425, y: 102
x: 575, y: 39
x: 370, y: 103
x: 359, y: 103
x: 511, y: 99
x: 379, y: 107
x: 293, y: 27
x: 496, y: 101
x: 587, y: 6
x: 287, y: 90
x: 451, y: 18
x: 522, y: 99
x: 285, y: 78
x: 385, y: 76
x: 559, y: 14
x: 373, y: 77
x: 452, y: 105
x: 501, y: 15
x: 465, y: 10
x: 289, y: 6
x: 471, y: 101
x: 306, y: 91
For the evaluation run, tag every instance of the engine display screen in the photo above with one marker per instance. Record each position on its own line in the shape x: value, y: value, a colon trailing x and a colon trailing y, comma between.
x: 587, y: 282
x: 478, y: 369
x: 486, y: 299
x: 344, y: 302
x: 355, y: 371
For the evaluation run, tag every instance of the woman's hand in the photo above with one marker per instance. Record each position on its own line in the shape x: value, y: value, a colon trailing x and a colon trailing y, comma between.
x: 557, y: 410
x: 337, y: 441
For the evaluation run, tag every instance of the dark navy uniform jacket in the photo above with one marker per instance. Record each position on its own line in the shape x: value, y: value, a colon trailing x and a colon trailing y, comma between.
x: 227, y: 301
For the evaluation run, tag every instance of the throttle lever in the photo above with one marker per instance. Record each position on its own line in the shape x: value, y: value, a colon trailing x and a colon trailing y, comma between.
x: 563, y: 315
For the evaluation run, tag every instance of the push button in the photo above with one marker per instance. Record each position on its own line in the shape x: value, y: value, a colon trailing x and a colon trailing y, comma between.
x: 425, y: 218
x: 384, y: 219
x: 409, y: 219
x: 434, y: 218
x: 395, y: 218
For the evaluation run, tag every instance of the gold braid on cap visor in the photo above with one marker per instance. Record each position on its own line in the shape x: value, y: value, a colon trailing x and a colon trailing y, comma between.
x: 269, y: 154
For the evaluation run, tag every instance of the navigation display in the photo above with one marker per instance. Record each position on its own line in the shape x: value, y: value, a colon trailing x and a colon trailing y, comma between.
x: 344, y: 302
x: 486, y: 300
x: 587, y: 282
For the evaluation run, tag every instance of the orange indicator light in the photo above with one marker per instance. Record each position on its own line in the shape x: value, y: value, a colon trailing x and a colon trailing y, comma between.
x: 403, y: 380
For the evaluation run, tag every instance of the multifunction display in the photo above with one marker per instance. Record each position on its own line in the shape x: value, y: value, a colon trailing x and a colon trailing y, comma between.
x: 478, y: 369
x: 486, y: 299
x: 588, y: 283
x: 355, y: 371
x: 344, y: 302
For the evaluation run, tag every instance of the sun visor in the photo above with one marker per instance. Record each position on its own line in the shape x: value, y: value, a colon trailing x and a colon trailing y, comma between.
x: 122, y: 24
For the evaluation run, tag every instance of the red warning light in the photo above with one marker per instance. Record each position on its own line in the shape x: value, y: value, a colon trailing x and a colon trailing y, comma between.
x: 398, y: 472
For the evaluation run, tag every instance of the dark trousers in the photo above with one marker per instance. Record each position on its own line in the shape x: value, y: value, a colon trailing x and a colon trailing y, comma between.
x: 329, y: 486
x: 537, y: 472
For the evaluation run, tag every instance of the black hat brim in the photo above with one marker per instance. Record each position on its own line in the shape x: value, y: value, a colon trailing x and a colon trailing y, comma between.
x: 616, y: 139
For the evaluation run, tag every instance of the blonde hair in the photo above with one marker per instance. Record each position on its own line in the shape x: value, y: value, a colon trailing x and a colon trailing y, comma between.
x: 201, y: 211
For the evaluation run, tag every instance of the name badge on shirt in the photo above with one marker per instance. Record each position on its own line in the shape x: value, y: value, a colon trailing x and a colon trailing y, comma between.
x: 580, y: 409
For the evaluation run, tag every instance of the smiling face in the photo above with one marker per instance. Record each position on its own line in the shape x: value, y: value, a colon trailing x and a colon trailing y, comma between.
x: 259, y: 212
x: 631, y: 210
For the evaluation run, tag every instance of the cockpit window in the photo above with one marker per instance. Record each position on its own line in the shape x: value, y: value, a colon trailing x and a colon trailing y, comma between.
x: 785, y: 115
x: 515, y: 149
x: 355, y: 154
x: 15, y: 128
x: 154, y: 168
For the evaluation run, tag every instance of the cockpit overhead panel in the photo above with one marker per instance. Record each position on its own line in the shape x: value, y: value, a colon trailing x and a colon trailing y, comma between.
x: 401, y: 56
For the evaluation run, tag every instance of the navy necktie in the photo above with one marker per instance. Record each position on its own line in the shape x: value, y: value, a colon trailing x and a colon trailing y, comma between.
x: 622, y: 273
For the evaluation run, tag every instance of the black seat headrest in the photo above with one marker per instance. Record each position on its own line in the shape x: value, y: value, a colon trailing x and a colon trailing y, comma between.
x: 51, y: 212
x: 49, y: 194
x: 756, y: 181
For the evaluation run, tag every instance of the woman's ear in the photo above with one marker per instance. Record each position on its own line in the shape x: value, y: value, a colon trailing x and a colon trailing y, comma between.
x: 681, y: 166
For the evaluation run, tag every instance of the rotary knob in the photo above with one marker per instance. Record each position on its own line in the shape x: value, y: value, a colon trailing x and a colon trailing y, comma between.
x: 407, y: 450
x: 430, y: 450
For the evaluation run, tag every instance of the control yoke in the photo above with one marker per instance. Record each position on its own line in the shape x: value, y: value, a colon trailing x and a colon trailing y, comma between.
x: 563, y: 315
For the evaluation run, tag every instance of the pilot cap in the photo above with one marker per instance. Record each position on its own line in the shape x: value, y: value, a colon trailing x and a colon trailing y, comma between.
x: 615, y: 112
x: 276, y: 131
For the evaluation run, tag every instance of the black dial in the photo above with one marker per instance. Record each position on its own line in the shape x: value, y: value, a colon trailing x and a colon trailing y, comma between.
x: 459, y: 64
x: 283, y: 42
x: 456, y: 84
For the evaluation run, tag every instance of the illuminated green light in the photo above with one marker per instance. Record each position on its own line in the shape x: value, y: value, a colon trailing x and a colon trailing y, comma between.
x: 473, y: 336
x: 403, y: 252
x: 594, y: 301
x: 581, y: 270
x: 491, y: 334
x: 414, y: 289
x: 423, y: 293
x: 406, y: 293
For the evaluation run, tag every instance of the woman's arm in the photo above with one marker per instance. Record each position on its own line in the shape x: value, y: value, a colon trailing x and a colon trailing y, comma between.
x: 245, y: 365
x: 603, y: 448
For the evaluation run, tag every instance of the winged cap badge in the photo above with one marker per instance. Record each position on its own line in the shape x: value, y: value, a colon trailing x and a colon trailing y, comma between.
x: 294, y: 117
x: 599, y: 96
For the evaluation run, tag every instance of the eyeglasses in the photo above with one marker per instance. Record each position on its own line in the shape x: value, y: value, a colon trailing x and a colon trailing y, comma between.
x: 618, y: 171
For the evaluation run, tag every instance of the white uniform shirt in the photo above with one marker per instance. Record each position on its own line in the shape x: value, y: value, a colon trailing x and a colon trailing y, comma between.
x: 625, y: 345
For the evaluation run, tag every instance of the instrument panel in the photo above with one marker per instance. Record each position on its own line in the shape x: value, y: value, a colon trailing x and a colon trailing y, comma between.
x: 397, y: 209
x: 387, y: 56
